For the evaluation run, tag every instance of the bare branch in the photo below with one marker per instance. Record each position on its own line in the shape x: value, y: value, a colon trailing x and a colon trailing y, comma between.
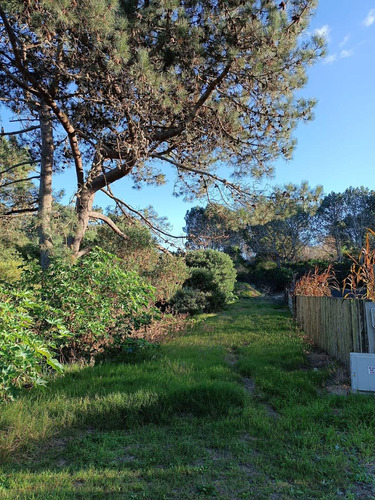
x: 111, y: 224
x: 19, y: 212
x: 83, y: 252
x: 16, y: 132
x: 153, y: 228
x: 222, y: 180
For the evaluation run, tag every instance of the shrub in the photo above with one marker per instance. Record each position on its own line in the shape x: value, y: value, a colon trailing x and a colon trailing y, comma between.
x: 268, y: 276
x: 168, y: 276
x: 140, y: 253
x: 24, y: 353
x: 10, y: 265
x: 189, y: 301
x: 246, y: 291
x: 97, y: 301
x: 210, y: 285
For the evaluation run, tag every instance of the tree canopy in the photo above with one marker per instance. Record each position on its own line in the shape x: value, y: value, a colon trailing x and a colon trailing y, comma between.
x: 345, y: 217
x: 122, y: 88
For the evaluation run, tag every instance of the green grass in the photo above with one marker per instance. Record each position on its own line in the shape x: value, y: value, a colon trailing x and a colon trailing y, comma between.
x: 229, y: 410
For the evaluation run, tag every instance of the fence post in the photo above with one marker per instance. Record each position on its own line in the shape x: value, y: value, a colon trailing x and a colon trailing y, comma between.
x: 370, y: 326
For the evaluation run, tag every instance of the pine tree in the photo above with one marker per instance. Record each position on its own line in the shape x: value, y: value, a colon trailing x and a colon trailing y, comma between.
x: 132, y: 86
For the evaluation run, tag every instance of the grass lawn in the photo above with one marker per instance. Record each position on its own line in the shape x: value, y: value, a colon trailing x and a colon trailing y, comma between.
x: 229, y: 410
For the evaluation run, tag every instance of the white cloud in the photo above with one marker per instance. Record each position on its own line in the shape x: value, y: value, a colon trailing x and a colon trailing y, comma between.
x: 323, y: 31
x: 330, y: 59
x: 346, y: 53
x: 370, y: 18
x: 344, y: 41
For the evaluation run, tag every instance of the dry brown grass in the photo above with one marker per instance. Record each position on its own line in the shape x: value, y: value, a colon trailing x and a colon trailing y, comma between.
x: 167, y: 325
x: 360, y: 280
x: 317, y: 283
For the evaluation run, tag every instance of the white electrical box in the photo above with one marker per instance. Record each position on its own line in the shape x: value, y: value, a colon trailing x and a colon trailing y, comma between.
x: 362, y: 369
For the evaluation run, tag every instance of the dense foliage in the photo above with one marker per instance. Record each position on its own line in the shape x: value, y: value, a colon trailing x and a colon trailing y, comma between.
x: 29, y: 332
x: 76, y: 310
x: 138, y: 251
x: 97, y: 301
x: 210, y: 285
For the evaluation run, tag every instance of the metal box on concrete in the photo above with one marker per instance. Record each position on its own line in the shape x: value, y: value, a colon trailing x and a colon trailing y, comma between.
x: 362, y: 369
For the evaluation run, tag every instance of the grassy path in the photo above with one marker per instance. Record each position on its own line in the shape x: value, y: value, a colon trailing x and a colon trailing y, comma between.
x: 229, y: 410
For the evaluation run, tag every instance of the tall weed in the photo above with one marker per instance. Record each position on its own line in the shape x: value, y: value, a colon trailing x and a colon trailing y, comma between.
x: 317, y: 283
x: 360, y: 280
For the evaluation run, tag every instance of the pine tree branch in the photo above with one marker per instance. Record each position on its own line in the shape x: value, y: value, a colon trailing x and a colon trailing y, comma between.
x: 113, y: 175
x: 210, y: 175
x: 17, y: 132
x: 12, y: 37
x: 173, y: 132
x: 18, y: 165
x: 111, y: 224
x: 19, y: 180
x: 44, y: 94
x: 19, y: 212
x: 154, y: 228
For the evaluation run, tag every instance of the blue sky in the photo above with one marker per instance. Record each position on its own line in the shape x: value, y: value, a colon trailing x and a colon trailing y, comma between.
x: 337, y: 149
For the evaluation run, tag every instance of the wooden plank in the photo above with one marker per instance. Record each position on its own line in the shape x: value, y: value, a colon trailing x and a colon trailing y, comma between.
x: 338, y: 326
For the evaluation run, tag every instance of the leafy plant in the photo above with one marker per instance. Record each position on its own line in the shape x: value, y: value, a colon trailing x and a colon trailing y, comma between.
x: 266, y: 275
x: 97, y: 301
x: 189, y: 301
x: 140, y: 253
x: 10, y: 264
x: 26, y: 355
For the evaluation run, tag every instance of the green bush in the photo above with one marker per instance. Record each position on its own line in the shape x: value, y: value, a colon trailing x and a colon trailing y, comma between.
x: 98, y: 302
x: 167, y: 276
x: 25, y: 355
x: 140, y: 253
x: 268, y: 276
x: 10, y: 265
x: 189, y: 301
x: 210, y: 285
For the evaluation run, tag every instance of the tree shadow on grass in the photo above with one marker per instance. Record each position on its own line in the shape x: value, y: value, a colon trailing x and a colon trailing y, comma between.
x: 111, y: 397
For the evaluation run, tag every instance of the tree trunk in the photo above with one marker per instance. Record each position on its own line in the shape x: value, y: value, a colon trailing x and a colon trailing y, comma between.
x: 85, y: 199
x: 45, y: 186
x: 338, y: 247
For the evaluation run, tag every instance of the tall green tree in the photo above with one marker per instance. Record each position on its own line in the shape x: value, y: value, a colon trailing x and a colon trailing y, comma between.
x: 135, y: 85
x: 214, y: 226
x: 287, y: 228
x: 345, y: 217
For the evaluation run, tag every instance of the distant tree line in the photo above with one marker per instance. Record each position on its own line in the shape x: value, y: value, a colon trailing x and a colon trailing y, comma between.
x: 291, y: 224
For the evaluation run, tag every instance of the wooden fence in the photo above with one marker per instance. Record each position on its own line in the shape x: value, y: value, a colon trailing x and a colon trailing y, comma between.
x: 338, y: 326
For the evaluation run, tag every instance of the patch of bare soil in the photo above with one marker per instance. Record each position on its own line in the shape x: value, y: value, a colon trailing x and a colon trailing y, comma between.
x: 365, y: 490
x: 231, y: 358
x: 339, y: 380
x: 249, y: 384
